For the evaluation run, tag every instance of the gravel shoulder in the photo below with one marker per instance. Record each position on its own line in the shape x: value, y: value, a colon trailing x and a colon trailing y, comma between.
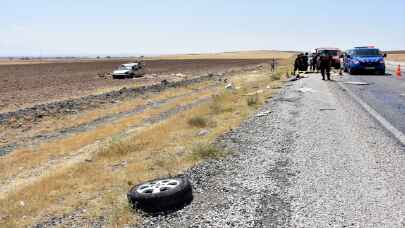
x: 317, y: 160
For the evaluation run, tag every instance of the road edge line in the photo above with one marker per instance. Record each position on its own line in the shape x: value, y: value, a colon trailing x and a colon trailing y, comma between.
x: 387, y: 125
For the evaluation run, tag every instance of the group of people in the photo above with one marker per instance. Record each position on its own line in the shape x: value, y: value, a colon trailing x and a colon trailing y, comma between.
x: 317, y: 62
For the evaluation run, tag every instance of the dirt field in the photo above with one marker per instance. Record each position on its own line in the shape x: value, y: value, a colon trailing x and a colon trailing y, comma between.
x: 397, y: 57
x: 28, y: 84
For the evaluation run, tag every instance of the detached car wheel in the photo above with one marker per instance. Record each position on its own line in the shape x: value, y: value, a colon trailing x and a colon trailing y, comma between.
x: 161, y: 195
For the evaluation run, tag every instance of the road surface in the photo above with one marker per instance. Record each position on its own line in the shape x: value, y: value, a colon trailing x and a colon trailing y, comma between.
x: 317, y: 160
x: 385, y: 94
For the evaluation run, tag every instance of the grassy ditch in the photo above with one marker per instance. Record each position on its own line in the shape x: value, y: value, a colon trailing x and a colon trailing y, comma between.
x: 97, y: 186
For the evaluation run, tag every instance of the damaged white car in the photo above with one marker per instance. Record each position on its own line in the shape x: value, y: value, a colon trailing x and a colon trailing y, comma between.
x: 129, y: 70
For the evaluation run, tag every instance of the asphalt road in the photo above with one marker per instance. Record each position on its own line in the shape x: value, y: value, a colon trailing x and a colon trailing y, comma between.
x: 317, y: 160
x: 385, y: 94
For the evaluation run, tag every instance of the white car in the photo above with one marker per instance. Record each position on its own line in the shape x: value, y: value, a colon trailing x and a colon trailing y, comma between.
x: 129, y: 70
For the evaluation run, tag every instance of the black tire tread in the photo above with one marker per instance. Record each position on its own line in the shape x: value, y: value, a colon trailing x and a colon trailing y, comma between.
x: 164, y: 201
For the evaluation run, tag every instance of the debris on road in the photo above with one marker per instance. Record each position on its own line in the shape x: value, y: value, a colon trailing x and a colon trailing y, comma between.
x: 306, y: 89
x: 265, y: 113
x: 161, y: 195
x: 357, y: 83
x: 297, y: 77
x: 327, y: 109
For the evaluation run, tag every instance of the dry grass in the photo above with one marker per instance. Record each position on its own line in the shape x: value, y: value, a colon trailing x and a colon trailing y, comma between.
x: 203, y: 151
x: 198, y: 121
x: 252, y: 100
x: 276, y: 76
x: 28, y: 159
x: 161, y: 149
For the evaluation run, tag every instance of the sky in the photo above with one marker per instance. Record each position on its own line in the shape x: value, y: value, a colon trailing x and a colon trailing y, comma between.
x: 149, y: 27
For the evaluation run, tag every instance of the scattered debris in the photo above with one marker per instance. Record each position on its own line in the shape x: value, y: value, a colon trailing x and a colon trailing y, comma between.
x: 203, y: 132
x: 180, y: 75
x: 22, y: 204
x: 306, y: 89
x: 295, y: 79
x: 119, y: 165
x: 229, y: 86
x: 265, y: 113
x: 357, y: 83
x: 289, y: 99
x: 3, y: 217
x: 254, y: 93
x: 327, y: 109
x: 161, y: 195
x: 164, y: 82
x: 180, y: 150
x: 104, y: 75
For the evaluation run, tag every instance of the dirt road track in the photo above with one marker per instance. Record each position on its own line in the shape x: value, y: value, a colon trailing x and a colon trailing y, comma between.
x: 25, y: 85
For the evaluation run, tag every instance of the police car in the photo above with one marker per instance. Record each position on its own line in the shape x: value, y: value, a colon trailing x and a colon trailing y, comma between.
x: 364, y: 59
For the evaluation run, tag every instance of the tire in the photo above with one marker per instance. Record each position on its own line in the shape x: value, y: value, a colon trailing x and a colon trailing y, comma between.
x: 161, y: 195
x: 351, y: 71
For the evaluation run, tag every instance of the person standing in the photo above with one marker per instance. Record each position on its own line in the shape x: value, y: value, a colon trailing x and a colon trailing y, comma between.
x: 313, y: 62
x: 305, y: 63
x: 273, y: 65
x: 325, y: 64
x: 298, y: 63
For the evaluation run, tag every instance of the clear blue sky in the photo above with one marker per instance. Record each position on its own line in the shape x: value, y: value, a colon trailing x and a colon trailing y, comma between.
x: 92, y: 27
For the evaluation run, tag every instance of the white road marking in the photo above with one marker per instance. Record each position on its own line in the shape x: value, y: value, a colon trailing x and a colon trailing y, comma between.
x: 387, y: 125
